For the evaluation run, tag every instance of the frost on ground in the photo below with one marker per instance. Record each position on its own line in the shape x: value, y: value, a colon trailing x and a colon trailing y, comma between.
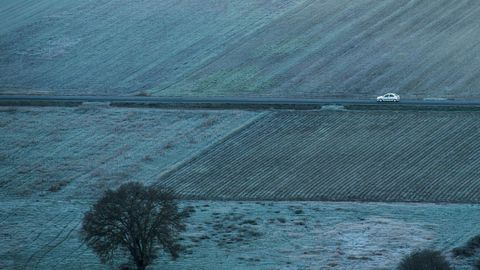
x: 78, y: 152
x: 249, y: 235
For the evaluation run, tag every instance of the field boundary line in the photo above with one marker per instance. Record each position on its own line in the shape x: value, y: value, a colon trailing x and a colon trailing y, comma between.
x: 195, y: 155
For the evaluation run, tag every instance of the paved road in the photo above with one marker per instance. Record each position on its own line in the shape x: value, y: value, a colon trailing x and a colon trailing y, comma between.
x: 232, y: 100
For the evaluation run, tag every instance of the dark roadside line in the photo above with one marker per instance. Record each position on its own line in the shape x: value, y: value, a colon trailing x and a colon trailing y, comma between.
x: 237, y: 104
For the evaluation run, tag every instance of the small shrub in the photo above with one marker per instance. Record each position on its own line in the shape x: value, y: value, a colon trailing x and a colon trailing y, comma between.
x: 476, y: 266
x: 143, y: 94
x: 469, y: 249
x: 190, y: 209
x: 424, y: 260
x: 462, y: 252
x: 211, y: 121
x: 298, y: 211
x: 57, y: 186
x: 474, y: 242
x: 147, y: 158
x: 169, y: 145
x: 249, y: 221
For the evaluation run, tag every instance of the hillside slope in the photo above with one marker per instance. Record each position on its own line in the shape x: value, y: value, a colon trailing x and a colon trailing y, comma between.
x: 288, y: 48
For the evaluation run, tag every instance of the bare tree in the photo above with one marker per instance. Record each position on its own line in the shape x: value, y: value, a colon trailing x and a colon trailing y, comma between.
x: 135, y: 219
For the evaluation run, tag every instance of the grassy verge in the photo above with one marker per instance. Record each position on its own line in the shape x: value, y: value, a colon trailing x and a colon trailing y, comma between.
x: 40, y: 103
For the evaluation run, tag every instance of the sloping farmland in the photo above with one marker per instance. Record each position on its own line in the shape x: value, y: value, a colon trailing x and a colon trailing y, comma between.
x: 304, y: 48
x: 429, y: 156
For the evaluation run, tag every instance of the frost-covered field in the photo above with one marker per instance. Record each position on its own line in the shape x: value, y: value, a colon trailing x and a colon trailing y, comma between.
x: 54, y: 163
x: 288, y: 48
x: 43, y: 234
x: 78, y: 152
x: 427, y: 156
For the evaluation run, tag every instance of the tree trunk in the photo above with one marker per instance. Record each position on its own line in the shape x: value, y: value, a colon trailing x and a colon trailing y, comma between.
x: 141, y: 266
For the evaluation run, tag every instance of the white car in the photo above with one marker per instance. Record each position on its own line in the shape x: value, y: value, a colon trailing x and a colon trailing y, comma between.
x: 389, y: 97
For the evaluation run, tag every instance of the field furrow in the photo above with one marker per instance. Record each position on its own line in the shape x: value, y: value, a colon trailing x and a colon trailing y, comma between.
x: 332, y: 48
x: 428, y: 156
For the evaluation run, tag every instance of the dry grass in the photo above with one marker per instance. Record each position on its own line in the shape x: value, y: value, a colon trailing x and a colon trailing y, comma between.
x: 58, y: 186
x: 99, y: 147
x: 209, y: 122
x: 43, y: 234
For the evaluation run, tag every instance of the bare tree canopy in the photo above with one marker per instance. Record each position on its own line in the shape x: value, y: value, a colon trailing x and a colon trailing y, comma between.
x: 135, y: 219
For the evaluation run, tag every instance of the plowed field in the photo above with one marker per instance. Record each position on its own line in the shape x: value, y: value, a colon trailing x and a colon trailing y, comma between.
x: 302, y: 48
x: 408, y: 156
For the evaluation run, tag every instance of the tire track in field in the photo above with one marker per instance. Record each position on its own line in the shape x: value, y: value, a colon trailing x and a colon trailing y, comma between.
x: 35, y: 259
x: 58, y: 243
